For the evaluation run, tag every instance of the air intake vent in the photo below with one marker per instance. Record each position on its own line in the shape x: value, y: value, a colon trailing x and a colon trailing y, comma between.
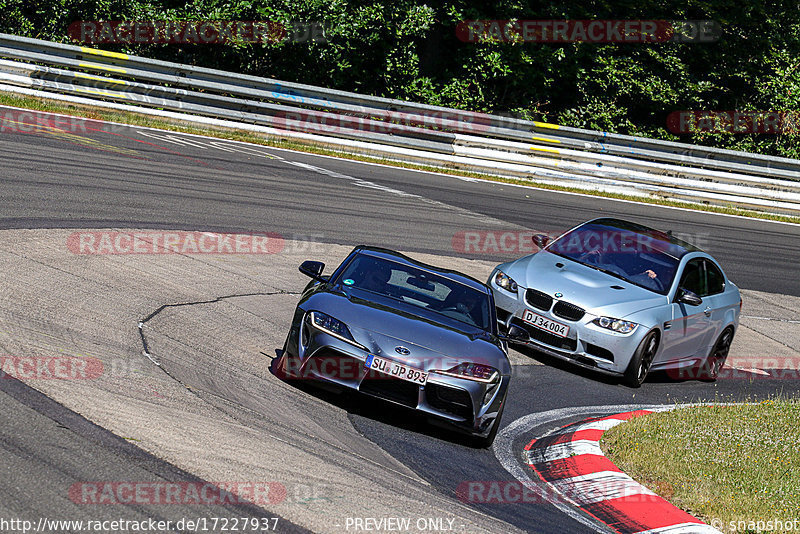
x: 568, y: 311
x: 537, y: 299
x: 600, y: 352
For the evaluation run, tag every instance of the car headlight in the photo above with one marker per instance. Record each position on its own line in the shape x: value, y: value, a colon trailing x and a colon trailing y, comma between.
x: 473, y: 371
x: 506, y: 282
x: 617, y: 325
x: 334, y: 327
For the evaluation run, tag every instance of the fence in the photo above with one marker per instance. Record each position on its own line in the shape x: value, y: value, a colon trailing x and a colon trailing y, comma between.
x: 399, y: 130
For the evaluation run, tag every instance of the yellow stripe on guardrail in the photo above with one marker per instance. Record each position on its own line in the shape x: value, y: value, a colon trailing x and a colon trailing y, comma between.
x: 101, y: 93
x: 99, y: 78
x: 104, y: 53
x: 546, y: 125
x: 97, y: 66
x: 543, y: 149
x: 545, y: 139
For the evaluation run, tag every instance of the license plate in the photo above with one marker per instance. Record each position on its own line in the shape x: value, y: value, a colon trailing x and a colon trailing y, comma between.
x: 396, y: 369
x: 543, y: 323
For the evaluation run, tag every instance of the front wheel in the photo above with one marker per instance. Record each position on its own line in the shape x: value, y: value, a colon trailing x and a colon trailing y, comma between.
x: 284, y: 367
x: 642, y: 360
x: 710, y: 368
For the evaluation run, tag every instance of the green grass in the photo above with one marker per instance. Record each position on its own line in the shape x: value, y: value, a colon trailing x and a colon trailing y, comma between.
x: 138, y: 119
x: 720, y: 463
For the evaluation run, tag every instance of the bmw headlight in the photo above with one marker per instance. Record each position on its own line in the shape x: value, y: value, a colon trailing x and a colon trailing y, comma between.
x: 473, y: 371
x: 332, y: 326
x: 506, y: 282
x: 616, y: 325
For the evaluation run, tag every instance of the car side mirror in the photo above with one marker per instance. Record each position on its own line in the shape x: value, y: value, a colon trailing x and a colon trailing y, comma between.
x: 687, y: 297
x: 313, y: 269
x: 515, y: 334
x: 541, y: 240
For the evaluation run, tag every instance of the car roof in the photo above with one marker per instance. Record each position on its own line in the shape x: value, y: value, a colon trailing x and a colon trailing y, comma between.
x: 392, y: 255
x: 679, y: 246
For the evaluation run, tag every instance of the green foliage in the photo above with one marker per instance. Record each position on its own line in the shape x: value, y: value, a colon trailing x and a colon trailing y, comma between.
x: 409, y: 50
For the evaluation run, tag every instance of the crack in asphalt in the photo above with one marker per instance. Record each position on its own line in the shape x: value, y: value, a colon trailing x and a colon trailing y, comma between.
x: 791, y: 321
x: 143, y: 322
x: 222, y: 399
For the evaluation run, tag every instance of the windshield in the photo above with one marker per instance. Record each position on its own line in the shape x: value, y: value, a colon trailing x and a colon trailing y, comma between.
x: 420, y: 288
x: 646, y: 259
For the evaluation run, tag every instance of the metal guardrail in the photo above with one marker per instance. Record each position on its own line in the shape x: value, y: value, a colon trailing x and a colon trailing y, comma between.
x: 407, y: 130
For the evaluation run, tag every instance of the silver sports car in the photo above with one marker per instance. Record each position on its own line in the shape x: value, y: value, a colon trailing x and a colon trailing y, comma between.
x: 620, y: 298
x: 407, y: 332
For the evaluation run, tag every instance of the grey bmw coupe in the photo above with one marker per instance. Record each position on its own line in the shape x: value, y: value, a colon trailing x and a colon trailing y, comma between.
x: 623, y: 299
x: 404, y: 331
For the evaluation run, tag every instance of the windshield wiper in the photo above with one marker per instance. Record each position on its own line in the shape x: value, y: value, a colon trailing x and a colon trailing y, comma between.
x: 608, y: 272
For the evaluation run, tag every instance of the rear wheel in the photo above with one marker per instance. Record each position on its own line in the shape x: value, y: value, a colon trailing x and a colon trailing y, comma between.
x: 710, y: 368
x: 642, y: 359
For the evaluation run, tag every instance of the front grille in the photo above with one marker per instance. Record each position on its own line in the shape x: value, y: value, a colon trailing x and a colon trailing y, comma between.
x: 390, y: 388
x: 537, y: 299
x: 600, y: 352
x: 569, y: 311
x: 547, y: 338
x: 451, y: 400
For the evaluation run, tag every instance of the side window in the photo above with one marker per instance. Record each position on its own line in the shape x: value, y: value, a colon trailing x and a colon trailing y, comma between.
x: 715, y: 281
x: 693, y: 279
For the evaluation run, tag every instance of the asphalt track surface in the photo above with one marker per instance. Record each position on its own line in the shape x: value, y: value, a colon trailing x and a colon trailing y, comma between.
x: 135, y: 178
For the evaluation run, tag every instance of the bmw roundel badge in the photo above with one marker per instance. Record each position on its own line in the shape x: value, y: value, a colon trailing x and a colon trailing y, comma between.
x: 559, y: 295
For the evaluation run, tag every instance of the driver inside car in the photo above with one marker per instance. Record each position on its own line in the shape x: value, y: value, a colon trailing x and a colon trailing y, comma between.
x: 644, y: 274
x: 376, y: 277
x: 648, y: 278
x: 468, y: 305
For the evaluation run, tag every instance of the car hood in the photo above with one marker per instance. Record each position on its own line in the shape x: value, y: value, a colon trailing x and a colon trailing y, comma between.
x: 382, y: 324
x: 595, y: 291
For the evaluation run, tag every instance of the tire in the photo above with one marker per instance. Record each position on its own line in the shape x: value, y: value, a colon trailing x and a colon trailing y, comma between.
x: 486, y: 442
x: 282, y: 365
x: 637, y: 370
x: 715, y: 361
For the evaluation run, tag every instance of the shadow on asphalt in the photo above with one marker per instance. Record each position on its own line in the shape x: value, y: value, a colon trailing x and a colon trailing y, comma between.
x: 654, y: 377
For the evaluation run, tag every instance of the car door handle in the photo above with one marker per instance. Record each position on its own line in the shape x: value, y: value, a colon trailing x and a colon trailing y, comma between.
x: 707, y: 312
